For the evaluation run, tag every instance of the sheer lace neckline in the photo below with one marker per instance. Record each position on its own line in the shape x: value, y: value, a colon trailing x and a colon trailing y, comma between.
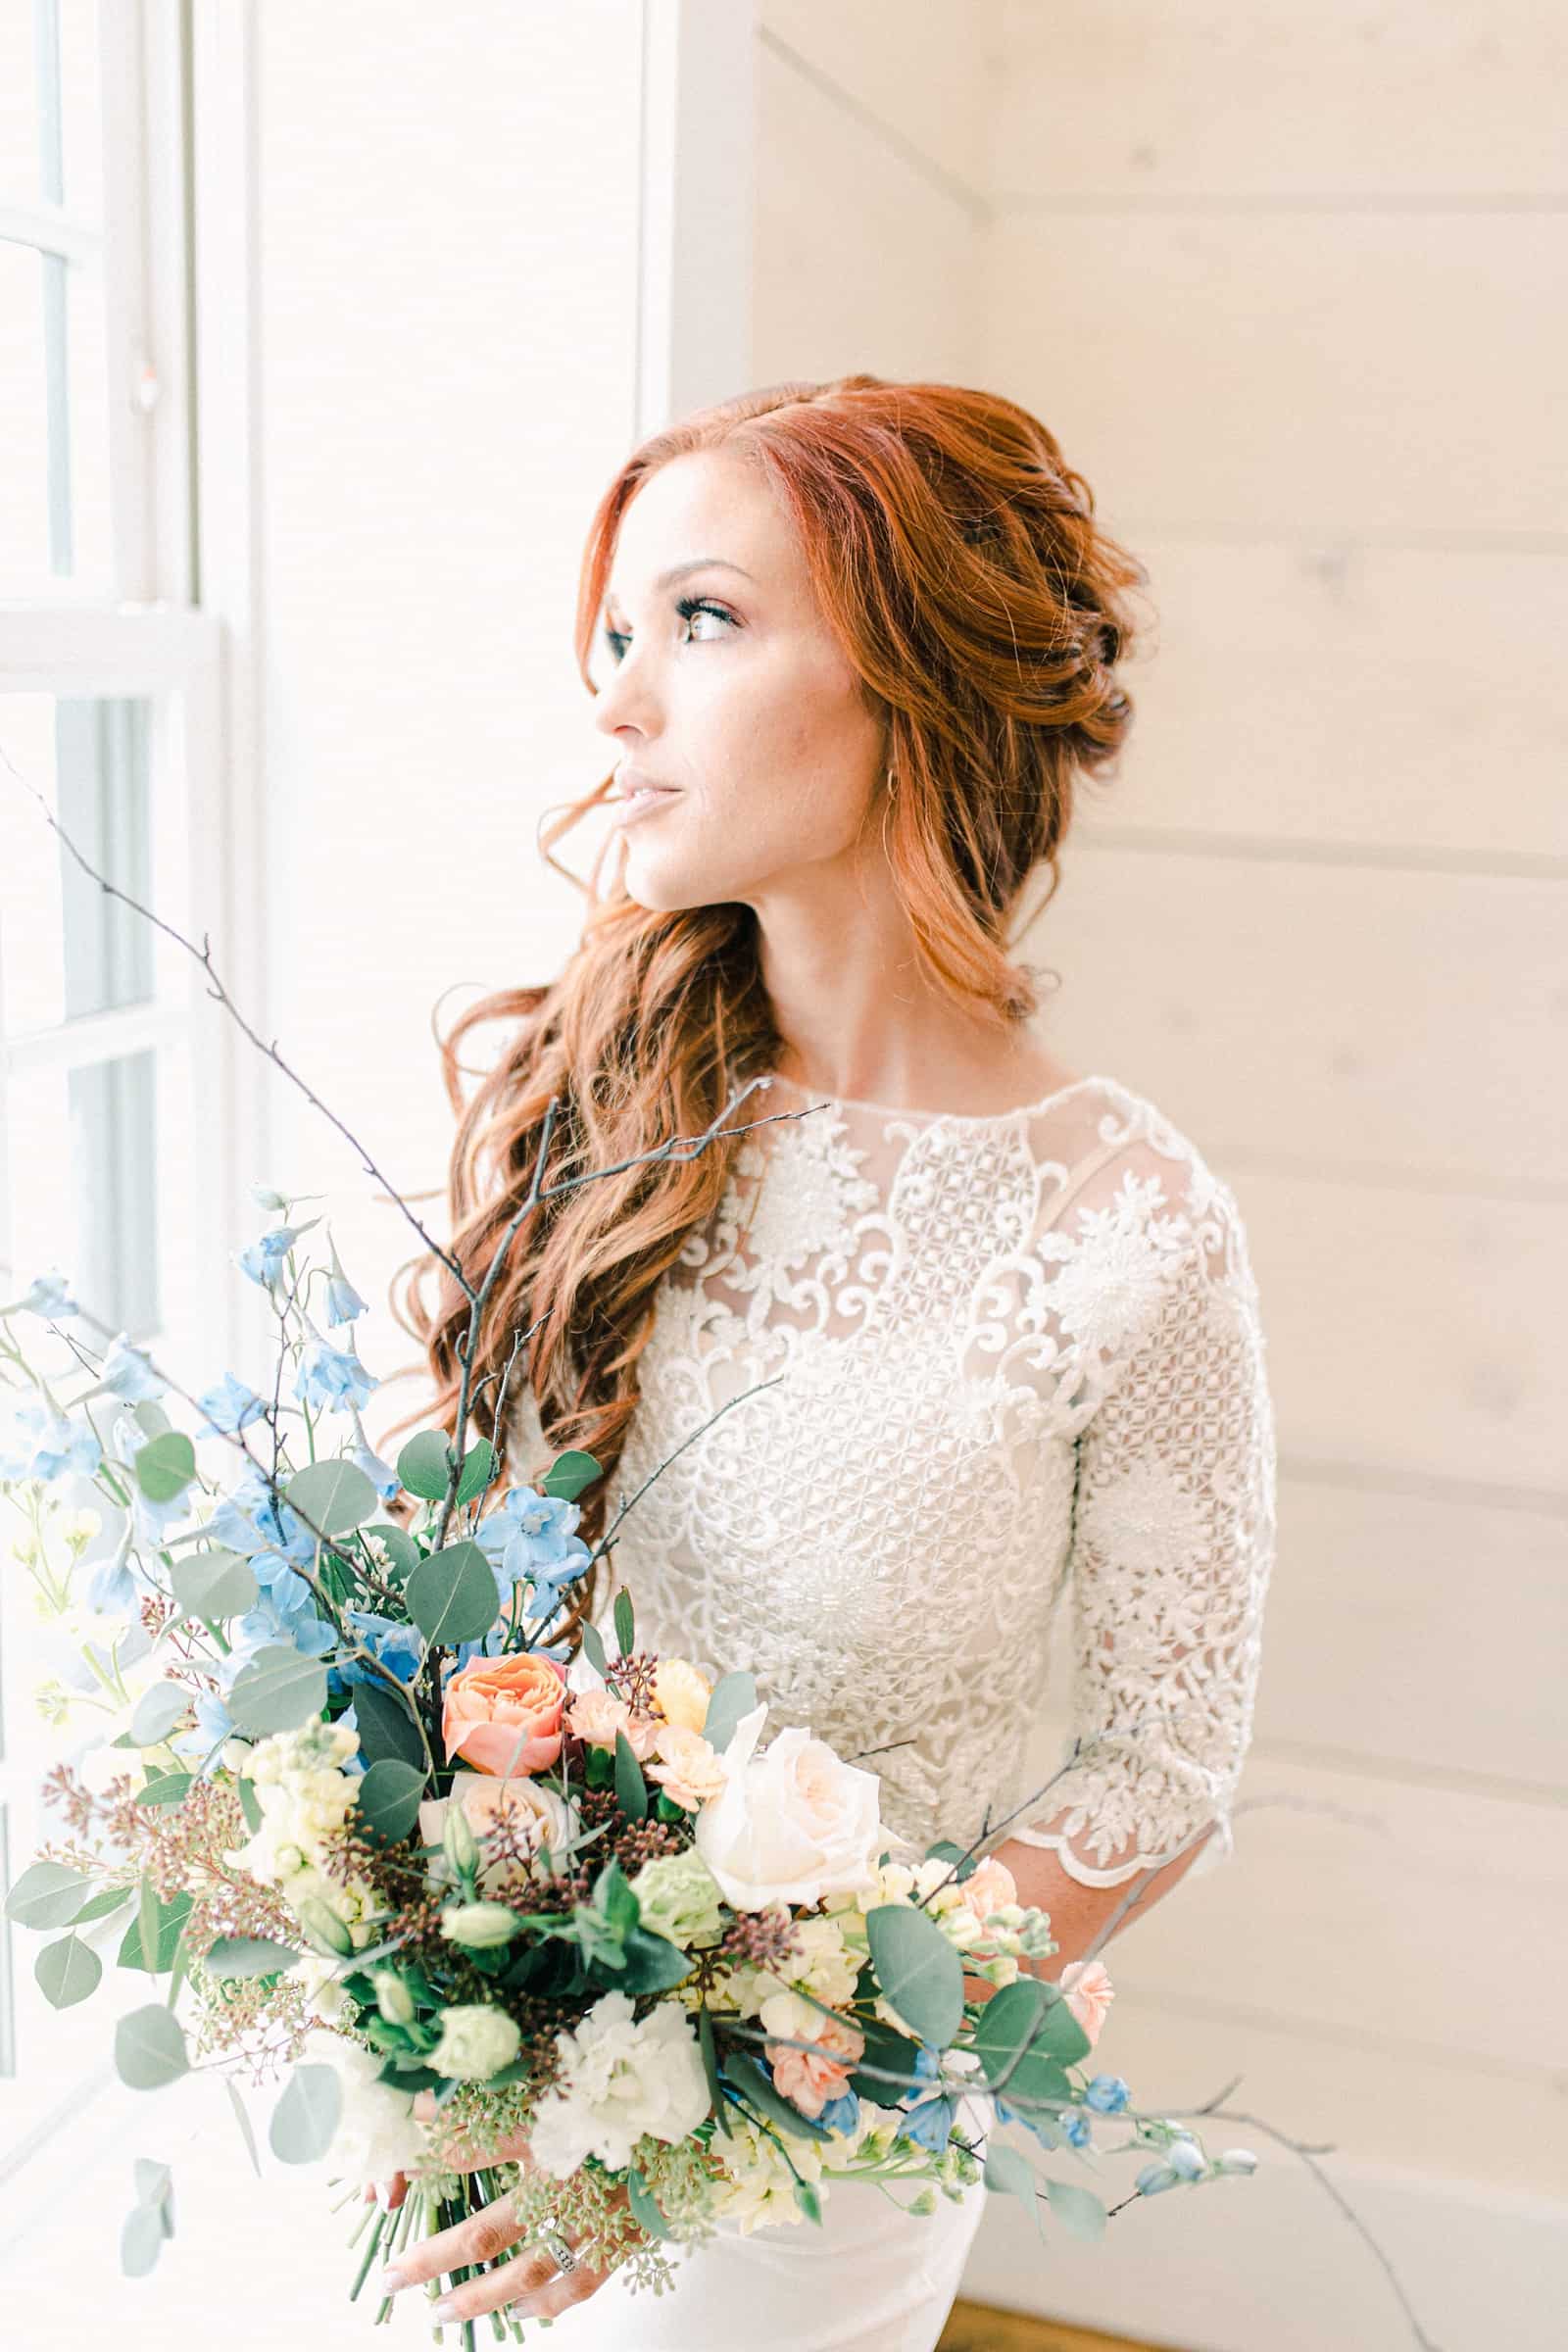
x: 945, y: 1118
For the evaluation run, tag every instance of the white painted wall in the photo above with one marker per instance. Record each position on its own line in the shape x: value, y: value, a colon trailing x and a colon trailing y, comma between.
x: 1281, y: 281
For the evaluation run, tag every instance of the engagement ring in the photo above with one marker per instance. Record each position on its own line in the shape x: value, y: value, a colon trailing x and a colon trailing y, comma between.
x: 556, y: 2247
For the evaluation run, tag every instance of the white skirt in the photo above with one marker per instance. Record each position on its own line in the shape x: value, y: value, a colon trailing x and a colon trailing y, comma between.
x: 871, y: 2277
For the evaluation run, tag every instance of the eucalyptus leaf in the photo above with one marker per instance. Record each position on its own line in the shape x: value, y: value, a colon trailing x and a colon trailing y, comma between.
x: 918, y: 1970
x: 387, y: 1728
x: 593, y: 1648
x: 422, y: 1466
x: 150, y: 1418
x: 653, y: 1963
x: 248, y: 1956
x: 478, y: 1469
x: 333, y: 1495
x: 305, y: 2117
x: 155, y: 2183
x: 113, y: 1899
x: 214, y: 1585
x: 1080, y: 2212
x: 164, y: 1787
x: 568, y: 1474
x: 644, y: 2205
x: 1014, y: 2021
x: 451, y: 1596
x: 48, y: 1895
x: 945, y: 1850
x: 756, y: 2086
x: 401, y: 1548
x: 150, y: 2048
x: 278, y: 1691
x: 1010, y: 2173
x: 142, y: 2241
x: 157, y: 1926
x: 715, y: 2089
x: 734, y: 1696
x: 250, y: 1804
x: 166, y: 1465
x: 246, y: 2133
x: 626, y: 1624
x: 157, y: 1711
x: 631, y: 1790
x: 68, y: 1971
x: 389, y: 1797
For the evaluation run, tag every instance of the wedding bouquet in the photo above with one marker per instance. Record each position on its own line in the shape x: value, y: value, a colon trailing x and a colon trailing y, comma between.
x: 456, y: 1879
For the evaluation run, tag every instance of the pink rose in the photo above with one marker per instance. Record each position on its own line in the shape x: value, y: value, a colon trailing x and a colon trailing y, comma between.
x: 597, y: 1715
x: 989, y: 1886
x: 1089, y: 1993
x: 811, y: 2079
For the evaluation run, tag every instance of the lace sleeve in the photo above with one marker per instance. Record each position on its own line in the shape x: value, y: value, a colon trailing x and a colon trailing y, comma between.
x: 1172, y: 1546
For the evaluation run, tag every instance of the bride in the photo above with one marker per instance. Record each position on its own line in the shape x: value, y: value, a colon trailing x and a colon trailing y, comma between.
x: 986, y: 1326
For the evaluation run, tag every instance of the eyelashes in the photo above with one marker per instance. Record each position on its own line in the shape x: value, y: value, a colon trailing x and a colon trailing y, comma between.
x: 618, y: 640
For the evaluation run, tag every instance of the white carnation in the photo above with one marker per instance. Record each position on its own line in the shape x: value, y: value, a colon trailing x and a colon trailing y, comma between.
x: 619, y: 2081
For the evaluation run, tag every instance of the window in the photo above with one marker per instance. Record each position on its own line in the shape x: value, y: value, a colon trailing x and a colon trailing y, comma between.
x: 115, y: 1077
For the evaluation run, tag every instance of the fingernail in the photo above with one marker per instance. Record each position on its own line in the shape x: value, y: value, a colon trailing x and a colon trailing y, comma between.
x: 444, y: 2311
x: 383, y: 2196
x: 391, y: 2280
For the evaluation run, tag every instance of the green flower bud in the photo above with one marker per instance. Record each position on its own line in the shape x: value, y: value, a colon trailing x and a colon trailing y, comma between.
x: 392, y: 1997
x: 324, y: 1927
x: 475, y: 2042
x: 458, y: 1840
x: 481, y: 1927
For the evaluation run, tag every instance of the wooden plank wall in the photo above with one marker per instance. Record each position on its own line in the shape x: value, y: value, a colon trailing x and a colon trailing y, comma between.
x: 1286, y: 285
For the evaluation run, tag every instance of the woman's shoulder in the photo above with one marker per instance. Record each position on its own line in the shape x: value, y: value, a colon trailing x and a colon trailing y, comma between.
x: 1117, y: 1149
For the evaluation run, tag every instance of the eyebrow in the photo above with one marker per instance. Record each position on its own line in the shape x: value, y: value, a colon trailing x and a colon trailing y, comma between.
x: 679, y: 571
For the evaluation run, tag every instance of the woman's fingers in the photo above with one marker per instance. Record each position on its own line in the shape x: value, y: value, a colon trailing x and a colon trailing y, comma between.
x: 388, y: 2194
x: 481, y: 2238
x: 532, y: 2283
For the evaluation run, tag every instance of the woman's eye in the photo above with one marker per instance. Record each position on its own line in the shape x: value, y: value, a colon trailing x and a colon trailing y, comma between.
x: 690, y: 608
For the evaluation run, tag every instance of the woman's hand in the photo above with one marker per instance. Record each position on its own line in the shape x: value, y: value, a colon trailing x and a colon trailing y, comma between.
x: 532, y: 2281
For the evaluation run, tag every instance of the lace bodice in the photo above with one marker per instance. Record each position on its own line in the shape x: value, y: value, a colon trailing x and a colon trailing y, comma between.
x: 1011, y: 1358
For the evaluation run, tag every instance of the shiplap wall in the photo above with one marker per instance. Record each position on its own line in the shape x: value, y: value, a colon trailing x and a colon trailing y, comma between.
x: 1285, y: 283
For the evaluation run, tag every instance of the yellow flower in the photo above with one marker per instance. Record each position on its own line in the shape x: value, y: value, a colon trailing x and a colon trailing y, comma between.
x: 681, y: 1694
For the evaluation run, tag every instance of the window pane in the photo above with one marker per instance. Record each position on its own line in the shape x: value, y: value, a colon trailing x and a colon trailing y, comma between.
x: 50, y: 137
x: 66, y: 948
x: 55, y: 517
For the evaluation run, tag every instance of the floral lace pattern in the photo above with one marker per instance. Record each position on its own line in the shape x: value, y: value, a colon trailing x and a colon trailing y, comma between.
x: 970, y: 1366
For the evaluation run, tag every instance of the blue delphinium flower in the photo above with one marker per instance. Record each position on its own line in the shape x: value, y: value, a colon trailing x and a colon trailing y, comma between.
x: 49, y: 1294
x: 128, y: 1374
x: 1107, y: 2095
x: 248, y: 1520
x: 214, y: 1723
x: 40, y: 1444
x: 118, y: 1583
x: 230, y: 1406
x: 1075, y: 2124
x: 399, y: 1648
x: 841, y: 2114
x: 285, y: 1608
x: 532, y: 1536
x: 328, y: 1375
x: 264, y: 1260
x: 381, y: 1475
x: 929, y: 2123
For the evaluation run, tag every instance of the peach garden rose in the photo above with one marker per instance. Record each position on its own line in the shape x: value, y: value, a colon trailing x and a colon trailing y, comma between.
x: 504, y: 1714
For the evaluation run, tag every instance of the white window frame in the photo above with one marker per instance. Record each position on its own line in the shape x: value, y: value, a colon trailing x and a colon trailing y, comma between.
x: 173, y: 630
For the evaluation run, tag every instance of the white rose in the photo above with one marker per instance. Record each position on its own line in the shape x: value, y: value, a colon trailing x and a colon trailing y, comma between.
x: 619, y: 2080
x: 791, y: 1826
x: 376, y: 2134
x: 476, y: 2042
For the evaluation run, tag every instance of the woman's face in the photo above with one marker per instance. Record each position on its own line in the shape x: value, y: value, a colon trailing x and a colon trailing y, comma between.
x: 726, y: 685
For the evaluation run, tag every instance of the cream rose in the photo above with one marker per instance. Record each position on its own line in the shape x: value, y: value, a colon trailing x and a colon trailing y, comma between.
x: 536, y: 1812
x: 790, y: 1826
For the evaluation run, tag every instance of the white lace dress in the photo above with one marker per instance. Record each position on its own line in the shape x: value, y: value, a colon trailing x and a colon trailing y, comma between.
x: 1010, y: 1358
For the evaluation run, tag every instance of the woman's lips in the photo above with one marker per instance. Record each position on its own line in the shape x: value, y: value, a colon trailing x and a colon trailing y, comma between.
x: 642, y: 801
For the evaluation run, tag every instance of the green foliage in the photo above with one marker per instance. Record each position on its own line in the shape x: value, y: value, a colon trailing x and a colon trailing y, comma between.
x: 278, y: 1691
x: 150, y: 2220
x: 247, y: 1956
x: 625, y: 1623
x: 68, y: 1971
x: 305, y: 2117
x: 157, y: 1711
x: 918, y: 1970
x: 631, y: 1790
x: 568, y: 1474
x: 166, y: 1465
x: 164, y: 1787
x: 751, y: 2080
x: 389, y: 1797
x: 891, y: 2053
x: 48, y: 1895
x: 715, y: 2091
x: 387, y: 1728
x: 946, y: 1851
x: 156, y: 1928
x: 1080, y: 2212
x: 478, y: 1469
x: 1011, y: 2172
x: 422, y: 1465
x: 150, y: 2048
x: 215, y: 1584
x: 401, y: 1548
x: 734, y: 1696
x: 333, y: 1495
x: 244, y: 2121
x: 451, y: 1596
x: 593, y: 1648
x: 644, y: 2206
x: 1022, y: 2018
